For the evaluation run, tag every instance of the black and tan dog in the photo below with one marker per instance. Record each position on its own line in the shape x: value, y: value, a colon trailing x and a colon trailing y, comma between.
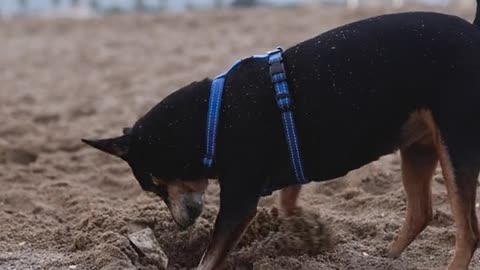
x: 407, y: 81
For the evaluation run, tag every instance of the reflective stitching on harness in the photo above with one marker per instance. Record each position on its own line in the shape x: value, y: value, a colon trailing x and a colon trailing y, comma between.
x: 215, y: 123
x: 295, y: 146
x: 285, y: 122
x: 281, y: 88
x: 215, y: 103
x: 284, y: 103
x: 291, y: 135
x: 214, y: 107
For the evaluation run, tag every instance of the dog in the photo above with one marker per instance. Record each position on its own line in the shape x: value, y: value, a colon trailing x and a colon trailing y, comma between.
x: 407, y: 82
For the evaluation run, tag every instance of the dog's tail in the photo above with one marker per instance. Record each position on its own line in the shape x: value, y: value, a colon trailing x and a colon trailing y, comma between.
x: 477, y: 15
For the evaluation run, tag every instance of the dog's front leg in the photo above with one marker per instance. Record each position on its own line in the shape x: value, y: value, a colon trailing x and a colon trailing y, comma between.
x: 239, y: 197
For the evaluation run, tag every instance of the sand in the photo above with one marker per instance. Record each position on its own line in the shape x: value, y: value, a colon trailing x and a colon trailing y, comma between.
x: 66, y: 206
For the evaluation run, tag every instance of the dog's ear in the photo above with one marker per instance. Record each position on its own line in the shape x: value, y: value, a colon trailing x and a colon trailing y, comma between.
x: 115, y: 146
x: 127, y: 131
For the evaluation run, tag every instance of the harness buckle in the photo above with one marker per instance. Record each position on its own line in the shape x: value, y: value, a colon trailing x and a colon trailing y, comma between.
x: 277, y: 50
x: 276, y: 68
x: 284, y: 102
x: 208, y: 161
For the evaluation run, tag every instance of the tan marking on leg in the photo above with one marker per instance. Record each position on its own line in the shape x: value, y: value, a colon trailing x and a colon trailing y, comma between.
x: 289, y: 198
x: 418, y: 126
x: 463, y: 207
x: 221, y: 245
x: 418, y: 164
x: 474, y: 222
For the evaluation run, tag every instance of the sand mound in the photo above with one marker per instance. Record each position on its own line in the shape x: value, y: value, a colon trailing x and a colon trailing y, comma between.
x: 273, y: 236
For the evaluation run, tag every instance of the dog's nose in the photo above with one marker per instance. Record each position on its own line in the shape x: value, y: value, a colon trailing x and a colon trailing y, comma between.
x: 194, y: 211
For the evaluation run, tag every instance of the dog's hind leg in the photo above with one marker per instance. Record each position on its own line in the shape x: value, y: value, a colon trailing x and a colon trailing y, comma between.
x: 460, y: 175
x: 418, y: 164
x: 288, y: 199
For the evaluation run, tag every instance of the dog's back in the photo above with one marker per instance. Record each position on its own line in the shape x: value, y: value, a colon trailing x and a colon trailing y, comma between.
x: 356, y: 86
x: 381, y: 69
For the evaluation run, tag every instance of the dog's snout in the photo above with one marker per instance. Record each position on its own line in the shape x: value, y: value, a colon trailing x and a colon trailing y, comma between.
x: 186, y: 209
x: 194, y: 211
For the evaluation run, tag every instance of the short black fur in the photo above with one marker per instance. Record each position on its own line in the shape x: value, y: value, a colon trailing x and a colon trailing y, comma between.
x: 354, y: 88
x: 381, y: 69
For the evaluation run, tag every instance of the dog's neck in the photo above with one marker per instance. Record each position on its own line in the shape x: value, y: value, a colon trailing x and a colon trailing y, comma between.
x: 175, y: 129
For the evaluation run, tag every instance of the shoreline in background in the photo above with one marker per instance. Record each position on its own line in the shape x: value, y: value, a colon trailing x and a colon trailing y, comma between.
x: 93, y: 8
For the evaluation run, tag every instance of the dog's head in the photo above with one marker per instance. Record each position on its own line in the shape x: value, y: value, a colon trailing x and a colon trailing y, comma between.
x: 164, y: 150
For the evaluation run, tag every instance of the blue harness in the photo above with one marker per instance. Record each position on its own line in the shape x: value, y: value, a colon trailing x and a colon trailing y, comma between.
x: 284, y: 102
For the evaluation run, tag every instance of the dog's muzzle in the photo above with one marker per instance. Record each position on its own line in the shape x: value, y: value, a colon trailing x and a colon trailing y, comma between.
x: 186, y: 208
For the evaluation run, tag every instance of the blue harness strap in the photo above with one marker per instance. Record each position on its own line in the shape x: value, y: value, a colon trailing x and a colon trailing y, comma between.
x: 284, y: 102
x: 215, y: 103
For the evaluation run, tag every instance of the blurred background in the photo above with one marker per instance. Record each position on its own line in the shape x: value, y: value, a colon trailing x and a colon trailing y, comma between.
x: 88, y: 8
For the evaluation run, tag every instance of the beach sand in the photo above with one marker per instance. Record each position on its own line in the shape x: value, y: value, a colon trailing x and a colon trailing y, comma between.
x: 66, y: 206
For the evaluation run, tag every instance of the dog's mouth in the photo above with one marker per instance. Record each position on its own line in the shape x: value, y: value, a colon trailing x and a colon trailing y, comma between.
x: 186, y: 209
